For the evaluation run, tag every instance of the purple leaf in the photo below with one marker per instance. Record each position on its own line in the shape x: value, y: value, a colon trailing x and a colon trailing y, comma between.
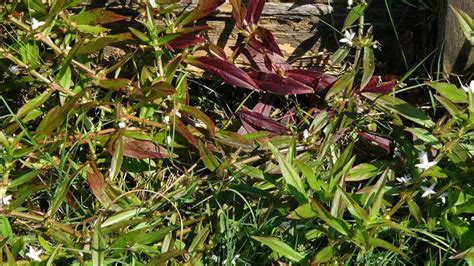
x: 203, y: 9
x: 279, y: 85
x: 254, y: 11
x: 268, y: 40
x: 259, y: 121
x: 224, y: 70
x: 378, y: 140
x: 317, y: 80
x: 374, y: 85
x: 186, y: 40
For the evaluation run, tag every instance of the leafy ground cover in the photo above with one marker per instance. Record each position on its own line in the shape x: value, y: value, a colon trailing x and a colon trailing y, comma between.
x: 134, y: 158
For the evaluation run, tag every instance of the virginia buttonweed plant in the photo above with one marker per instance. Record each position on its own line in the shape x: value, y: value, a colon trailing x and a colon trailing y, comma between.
x: 115, y: 149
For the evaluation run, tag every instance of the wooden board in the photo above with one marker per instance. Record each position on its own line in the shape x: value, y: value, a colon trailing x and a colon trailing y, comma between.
x: 458, y: 53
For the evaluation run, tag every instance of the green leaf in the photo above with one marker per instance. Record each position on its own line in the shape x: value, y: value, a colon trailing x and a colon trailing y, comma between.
x: 449, y: 91
x: 450, y: 106
x: 196, y: 113
x: 466, y: 23
x: 34, y: 103
x: 60, y: 194
x: 384, y: 244
x: 280, y: 247
x: 199, y: 239
x: 400, y: 107
x: 340, y: 84
x: 340, y: 55
x: 323, y: 256
x: 98, y: 44
x: 425, y: 136
x: 91, y: 29
x: 365, y: 171
x: 114, y: 84
x: 337, y: 224
x: 355, y: 13
x: 305, y: 211
x: 208, y: 157
x: 290, y: 176
x: 414, y: 210
x: 354, y: 208
x: 96, y: 16
x: 368, y: 65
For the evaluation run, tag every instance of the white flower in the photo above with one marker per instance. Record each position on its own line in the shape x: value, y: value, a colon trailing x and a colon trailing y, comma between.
x: 470, y: 88
x: 396, y: 152
x: 166, y: 119
x: 349, y: 3
x: 178, y: 114
x: 234, y: 260
x: 403, y: 179
x: 424, y: 162
x: 168, y: 140
x: 34, y: 254
x: 36, y: 24
x: 443, y: 197
x: 214, y: 258
x: 427, y: 191
x: 153, y: 3
x: 305, y: 134
x: 348, y: 37
x: 5, y: 200
x: 14, y: 69
x: 122, y: 124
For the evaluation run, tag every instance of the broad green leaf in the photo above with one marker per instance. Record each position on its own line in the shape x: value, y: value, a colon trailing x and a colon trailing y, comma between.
x: 323, y: 256
x: 384, y: 244
x: 208, y: 157
x: 122, y: 216
x: 280, y: 247
x: 365, y: 171
x: 114, y: 84
x: 309, y: 175
x: 199, y: 239
x: 450, y: 92
x: 196, y: 113
x: 340, y: 84
x: 98, y: 44
x: 340, y: 55
x: 91, y: 29
x: 414, y: 210
x: 450, y: 107
x: 368, y: 64
x: 354, y: 14
x: 354, y: 208
x: 401, y: 107
x: 290, y: 175
x: 305, y: 211
x: 466, y: 23
x: 425, y: 136
x: 34, y: 103
x: 337, y: 224
x: 96, y: 16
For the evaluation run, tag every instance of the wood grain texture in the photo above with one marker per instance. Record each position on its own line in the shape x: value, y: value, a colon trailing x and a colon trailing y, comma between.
x: 458, y: 53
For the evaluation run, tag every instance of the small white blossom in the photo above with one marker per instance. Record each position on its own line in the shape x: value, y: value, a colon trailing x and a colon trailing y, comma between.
x: 200, y: 124
x: 214, y: 258
x: 14, y: 69
x: 349, y: 4
x: 178, y: 114
x: 36, y: 24
x: 348, y: 37
x: 470, y: 88
x: 5, y: 200
x: 396, y: 152
x: 403, y: 179
x: 122, y: 124
x: 234, y: 260
x: 443, y: 197
x: 153, y: 3
x: 424, y: 162
x: 168, y: 140
x: 166, y: 119
x: 34, y: 254
x: 305, y: 134
x: 428, y: 191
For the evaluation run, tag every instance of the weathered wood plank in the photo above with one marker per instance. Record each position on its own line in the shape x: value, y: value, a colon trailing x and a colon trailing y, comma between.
x: 458, y: 53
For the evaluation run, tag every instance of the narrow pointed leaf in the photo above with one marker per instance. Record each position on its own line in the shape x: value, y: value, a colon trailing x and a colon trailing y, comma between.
x: 280, y: 247
x: 279, y: 85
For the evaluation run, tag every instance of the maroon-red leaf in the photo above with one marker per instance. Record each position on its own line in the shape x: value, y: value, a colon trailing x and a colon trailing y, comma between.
x: 141, y: 149
x: 268, y: 40
x: 254, y: 11
x: 378, y: 140
x: 277, y: 84
x: 186, y: 40
x: 203, y: 9
x: 238, y: 12
x: 224, y: 70
x: 317, y: 80
x: 383, y: 88
x: 185, y: 132
x: 256, y: 120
